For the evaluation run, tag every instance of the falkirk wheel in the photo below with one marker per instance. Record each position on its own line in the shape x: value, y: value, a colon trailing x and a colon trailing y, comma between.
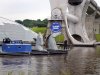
x: 71, y: 16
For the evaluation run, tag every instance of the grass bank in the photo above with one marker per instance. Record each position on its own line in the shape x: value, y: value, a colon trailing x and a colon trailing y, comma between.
x: 59, y: 38
x: 39, y: 29
x: 98, y: 37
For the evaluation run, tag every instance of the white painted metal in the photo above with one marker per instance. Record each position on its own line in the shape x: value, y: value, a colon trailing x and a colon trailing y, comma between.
x: 39, y: 42
x: 74, y: 19
x: 15, y: 31
x: 51, y: 41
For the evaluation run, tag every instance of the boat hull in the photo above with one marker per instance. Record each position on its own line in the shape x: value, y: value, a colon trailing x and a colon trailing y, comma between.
x: 16, y: 48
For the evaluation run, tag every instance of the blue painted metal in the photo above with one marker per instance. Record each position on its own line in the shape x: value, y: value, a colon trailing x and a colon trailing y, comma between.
x: 15, y: 48
x: 17, y: 42
x: 55, y: 27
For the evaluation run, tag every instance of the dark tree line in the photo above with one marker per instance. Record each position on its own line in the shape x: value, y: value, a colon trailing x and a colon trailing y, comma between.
x: 33, y: 23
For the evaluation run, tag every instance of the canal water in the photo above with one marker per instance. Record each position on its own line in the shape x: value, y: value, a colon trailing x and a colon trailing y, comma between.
x: 78, y: 61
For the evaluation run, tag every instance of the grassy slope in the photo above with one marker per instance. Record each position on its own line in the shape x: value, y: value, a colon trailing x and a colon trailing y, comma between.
x: 39, y: 29
x: 98, y: 37
x: 59, y: 38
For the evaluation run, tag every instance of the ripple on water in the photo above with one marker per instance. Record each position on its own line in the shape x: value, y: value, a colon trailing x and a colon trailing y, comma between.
x: 79, y: 61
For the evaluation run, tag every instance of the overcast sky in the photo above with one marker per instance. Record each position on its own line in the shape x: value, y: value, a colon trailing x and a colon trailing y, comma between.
x: 26, y: 9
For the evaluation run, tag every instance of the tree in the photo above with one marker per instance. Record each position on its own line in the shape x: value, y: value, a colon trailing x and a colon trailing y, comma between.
x: 28, y: 23
x: 45, y: 21
x: 39, y: 23
x: 19, y: 21
x: 33, y: 23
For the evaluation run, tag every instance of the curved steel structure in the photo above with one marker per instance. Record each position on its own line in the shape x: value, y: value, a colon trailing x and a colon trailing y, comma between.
x: 72, y: 15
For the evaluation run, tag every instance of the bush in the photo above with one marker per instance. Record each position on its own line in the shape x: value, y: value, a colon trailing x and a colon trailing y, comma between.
x: 59, y: 38
x: 39, y: 29
x: 98, y: 37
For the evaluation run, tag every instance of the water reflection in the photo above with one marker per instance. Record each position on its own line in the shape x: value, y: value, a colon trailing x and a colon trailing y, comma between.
x: 14, y: 65
x: 34, y: 65
x: 79, y: 61
x: 48, y: 65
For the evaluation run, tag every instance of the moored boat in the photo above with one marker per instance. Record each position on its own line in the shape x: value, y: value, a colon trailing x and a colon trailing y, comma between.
x: 9, y: 46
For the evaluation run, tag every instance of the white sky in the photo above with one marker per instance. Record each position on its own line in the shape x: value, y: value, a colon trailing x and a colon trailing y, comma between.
x: 26, y: 9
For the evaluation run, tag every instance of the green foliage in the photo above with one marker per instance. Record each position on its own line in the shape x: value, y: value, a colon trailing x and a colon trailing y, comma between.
x: 45, y: 22
x: 33, y: 23
x: 39, y: 29
x: 39, y: 23
x: 60, y: 38
x: 98, y: 37
x: 19, y: 21
x: 28, y: 23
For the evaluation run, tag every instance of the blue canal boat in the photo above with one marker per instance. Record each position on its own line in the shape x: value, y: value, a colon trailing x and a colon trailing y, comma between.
x: 16, y: 46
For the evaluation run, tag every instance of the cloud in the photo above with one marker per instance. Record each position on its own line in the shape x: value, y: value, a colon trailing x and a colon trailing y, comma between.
x: 98, y: 2
x: 22, y: 9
